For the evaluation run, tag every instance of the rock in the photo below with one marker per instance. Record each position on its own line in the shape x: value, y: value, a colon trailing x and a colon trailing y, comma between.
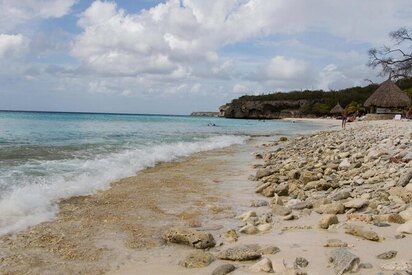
x: 308, y: 177
x: 395, y: 218
x: 356, y: 203
x: 360, y: 232
x: 223, y: 269
x: 340, y: 196
x: 283, y: 139
x: 398, y: 266
x: 247, y: 215
x: 365, y: 266
x: 262, y: 187
x: 335, y: 243
x: 264, y: 265
x: 345, y: 164
x: 269, y: 250
x: 327, y: 220
x: 239, y: 253
x: 264, y: 227
x: 331, y: 208
x: 406, y: 178
x: 282, y: 189
x: 249, y: 229
x: 264, y: 172
x: 281, y: 210
x: 268, y: 192
x: 231, y: 235
x: 259, y: 203
x: 289, y: 217
x: 387, y: 255
x: 359, y: 217
x: 197, y: 259
x: 381, y: 224
x: 405, y: 228
x: 265, y: 218
x: 294, y: 174
x: 406, y: 214
x: 191, y: 237
x: 301, y: 205
x: 344, y: 261
x: 300, y: 263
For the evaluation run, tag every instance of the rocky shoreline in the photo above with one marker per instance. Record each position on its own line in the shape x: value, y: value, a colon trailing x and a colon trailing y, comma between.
x: 331, y: 203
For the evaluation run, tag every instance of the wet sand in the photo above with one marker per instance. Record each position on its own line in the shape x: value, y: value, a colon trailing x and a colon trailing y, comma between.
x: 100, y: 233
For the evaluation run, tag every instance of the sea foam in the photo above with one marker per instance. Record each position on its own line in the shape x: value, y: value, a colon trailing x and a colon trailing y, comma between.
x: 37, y: 200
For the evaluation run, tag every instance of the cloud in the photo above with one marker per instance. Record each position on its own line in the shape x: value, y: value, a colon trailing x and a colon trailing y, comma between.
x: 11, y: 45
x: 14, y: 13
x: 281, y: 68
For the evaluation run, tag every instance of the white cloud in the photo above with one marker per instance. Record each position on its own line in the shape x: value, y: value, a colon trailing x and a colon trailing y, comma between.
x: 282, y: 68
x: 11, y: 45
x: 14, y: 13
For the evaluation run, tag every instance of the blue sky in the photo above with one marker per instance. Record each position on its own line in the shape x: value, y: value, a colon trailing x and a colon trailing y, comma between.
x: 175, y: 57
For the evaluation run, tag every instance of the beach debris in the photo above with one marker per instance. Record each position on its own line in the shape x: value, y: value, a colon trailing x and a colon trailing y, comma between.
x: 300, y: 262
x: 387, y: 255
x: 249, y: 229
x: 223, y: 269
x: 405, y: 228
x: 360, y: 232
x: 335, y: 243
x: 231, y: 235
x: 327, y: 220
x: 264, y: 265
x: 269, y: 250
x: 280, y: 210
x: 239, y: 253
x: 398, y: 266
x: 197, y: 259
x: 344, y: 261
x: 259, y: 203
x: 191, y: 237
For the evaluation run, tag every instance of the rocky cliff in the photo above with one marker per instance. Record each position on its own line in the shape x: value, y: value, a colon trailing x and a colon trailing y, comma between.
x: 265, y: 109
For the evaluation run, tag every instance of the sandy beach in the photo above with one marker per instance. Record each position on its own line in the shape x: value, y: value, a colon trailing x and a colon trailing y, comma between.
x: 282, y: 198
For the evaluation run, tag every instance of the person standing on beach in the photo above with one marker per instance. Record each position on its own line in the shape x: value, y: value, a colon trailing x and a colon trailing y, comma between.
x: 344, y: 118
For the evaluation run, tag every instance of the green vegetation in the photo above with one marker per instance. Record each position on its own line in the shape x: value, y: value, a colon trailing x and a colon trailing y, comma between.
x: 321, y: 102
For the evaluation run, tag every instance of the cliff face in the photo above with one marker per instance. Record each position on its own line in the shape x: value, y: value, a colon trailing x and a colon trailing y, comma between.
x: 264, y: 109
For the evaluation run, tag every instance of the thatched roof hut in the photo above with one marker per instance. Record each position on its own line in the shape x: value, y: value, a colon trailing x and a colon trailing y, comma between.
x: 388, y: 95
x: 337, y: 109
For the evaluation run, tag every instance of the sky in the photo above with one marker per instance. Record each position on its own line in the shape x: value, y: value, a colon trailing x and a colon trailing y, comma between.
x: 175, y: 57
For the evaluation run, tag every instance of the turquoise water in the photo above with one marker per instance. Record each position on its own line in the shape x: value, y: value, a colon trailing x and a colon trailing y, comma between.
x: 45, y: 157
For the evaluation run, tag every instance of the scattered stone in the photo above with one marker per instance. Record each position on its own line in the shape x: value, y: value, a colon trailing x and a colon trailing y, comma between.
x: 247, y: 215
x: 300, y: 263
x: 197, y: 259
x: 269, y: 250
x: 264, y: 172
x: 283, y: 139
x: 359, y: 217
x: 356, y: 203
x: 331, y: 208
x: 406, y: 178
x: 398, y: 266
x: 381, y: 224
x: 259, y: 203
x: 399, y: 236
x: 249, y: 229
x: 344, y: 261
x: 327, y: 220
x: 387, y: 255
x: 191, y: 237
x: 405, y: 228
x: 223, y: 269
x: 264, y: 265
x: 396, y: 218
x: 335, y: 243
x: 281, y: 210
x: 231, y: 235
x: 239, y: 253
x: 365, y: 266
x: 360, y: 232
x: 301, y: 205
x: 340, y: 196
x: 264, y: 227
x: 289, y: 217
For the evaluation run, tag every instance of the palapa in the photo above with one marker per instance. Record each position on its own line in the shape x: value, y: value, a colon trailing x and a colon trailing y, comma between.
x: 388, y: 95
x: 337, y: 109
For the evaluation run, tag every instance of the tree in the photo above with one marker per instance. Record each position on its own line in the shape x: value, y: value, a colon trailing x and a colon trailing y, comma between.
x: 354, y: 107
x: 395, y: 61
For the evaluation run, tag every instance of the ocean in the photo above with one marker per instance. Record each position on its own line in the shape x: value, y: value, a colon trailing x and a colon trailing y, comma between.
x: 46, y: 157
